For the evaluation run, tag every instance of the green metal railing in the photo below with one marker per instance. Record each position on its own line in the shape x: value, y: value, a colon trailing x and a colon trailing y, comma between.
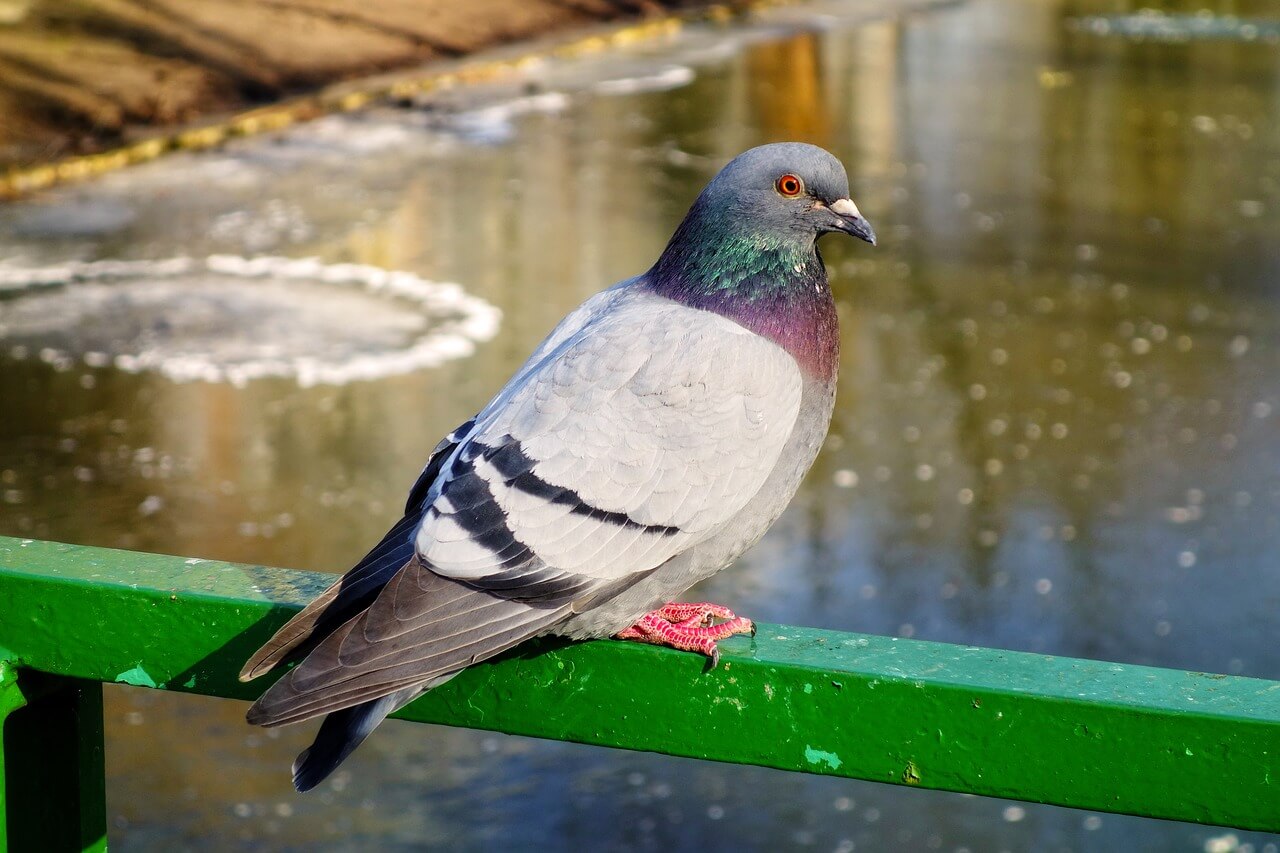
x: 1081, y: 733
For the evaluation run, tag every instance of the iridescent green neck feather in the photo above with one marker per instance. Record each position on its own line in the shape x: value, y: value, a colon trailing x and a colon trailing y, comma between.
x: 774, y: 284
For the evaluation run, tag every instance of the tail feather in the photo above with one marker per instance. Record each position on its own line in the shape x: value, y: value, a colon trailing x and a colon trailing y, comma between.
x: 341, y: 732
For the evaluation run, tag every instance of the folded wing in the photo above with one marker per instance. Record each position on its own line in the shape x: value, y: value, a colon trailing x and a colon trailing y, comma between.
x: 635, y: 437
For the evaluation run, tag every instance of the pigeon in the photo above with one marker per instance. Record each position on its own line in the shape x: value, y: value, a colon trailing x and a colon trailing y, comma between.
x: 652, y: 438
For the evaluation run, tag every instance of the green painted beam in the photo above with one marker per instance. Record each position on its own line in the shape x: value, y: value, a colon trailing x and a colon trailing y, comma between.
x: 1081, y: 733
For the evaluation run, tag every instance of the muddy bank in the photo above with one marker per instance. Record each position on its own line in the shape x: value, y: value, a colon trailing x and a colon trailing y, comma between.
x: 82, y: 76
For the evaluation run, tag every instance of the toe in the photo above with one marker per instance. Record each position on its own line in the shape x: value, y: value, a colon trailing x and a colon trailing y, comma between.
x: 737, y: 625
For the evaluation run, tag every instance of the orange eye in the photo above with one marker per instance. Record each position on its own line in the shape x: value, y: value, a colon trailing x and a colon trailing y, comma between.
x: 790, y: 186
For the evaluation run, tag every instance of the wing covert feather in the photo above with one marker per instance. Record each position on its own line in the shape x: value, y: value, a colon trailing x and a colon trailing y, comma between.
x: 641, y: 434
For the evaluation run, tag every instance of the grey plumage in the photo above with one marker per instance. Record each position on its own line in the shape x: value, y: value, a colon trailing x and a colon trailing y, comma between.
x: 647, y: 442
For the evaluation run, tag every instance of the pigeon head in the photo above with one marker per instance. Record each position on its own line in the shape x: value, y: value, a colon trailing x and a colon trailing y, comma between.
x: 788, y: 190
x: 753, y: 230
x: 747, y: 249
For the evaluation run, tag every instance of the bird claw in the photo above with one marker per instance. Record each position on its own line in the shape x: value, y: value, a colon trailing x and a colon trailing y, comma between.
x: 689, y: 627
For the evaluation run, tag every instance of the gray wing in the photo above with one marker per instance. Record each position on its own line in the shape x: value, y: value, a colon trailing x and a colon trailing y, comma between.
x: 635, y: 437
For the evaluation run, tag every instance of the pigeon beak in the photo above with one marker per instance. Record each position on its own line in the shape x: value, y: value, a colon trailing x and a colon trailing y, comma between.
x: 850, y: 220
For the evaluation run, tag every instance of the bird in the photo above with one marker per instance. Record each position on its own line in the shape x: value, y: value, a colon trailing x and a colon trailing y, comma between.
x: 653, y: 437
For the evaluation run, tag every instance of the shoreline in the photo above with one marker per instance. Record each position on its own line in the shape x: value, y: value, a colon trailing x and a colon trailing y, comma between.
x: 140, y: 142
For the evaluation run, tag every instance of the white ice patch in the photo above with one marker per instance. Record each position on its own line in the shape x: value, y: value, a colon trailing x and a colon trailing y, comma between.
x: 256, y: 231
x: 671, y: 77
x: 358, y: 134
x: 496, y: 123
x: 233, y: 319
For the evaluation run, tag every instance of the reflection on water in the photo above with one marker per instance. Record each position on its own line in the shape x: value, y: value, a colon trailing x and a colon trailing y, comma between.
x: 1057, y: 423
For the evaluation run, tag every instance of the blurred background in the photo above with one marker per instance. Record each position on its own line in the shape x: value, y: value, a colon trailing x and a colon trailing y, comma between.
x: 1058, y: 421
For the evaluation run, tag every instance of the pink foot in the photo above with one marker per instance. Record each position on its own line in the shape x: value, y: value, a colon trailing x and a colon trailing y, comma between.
x: 688, y: 627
